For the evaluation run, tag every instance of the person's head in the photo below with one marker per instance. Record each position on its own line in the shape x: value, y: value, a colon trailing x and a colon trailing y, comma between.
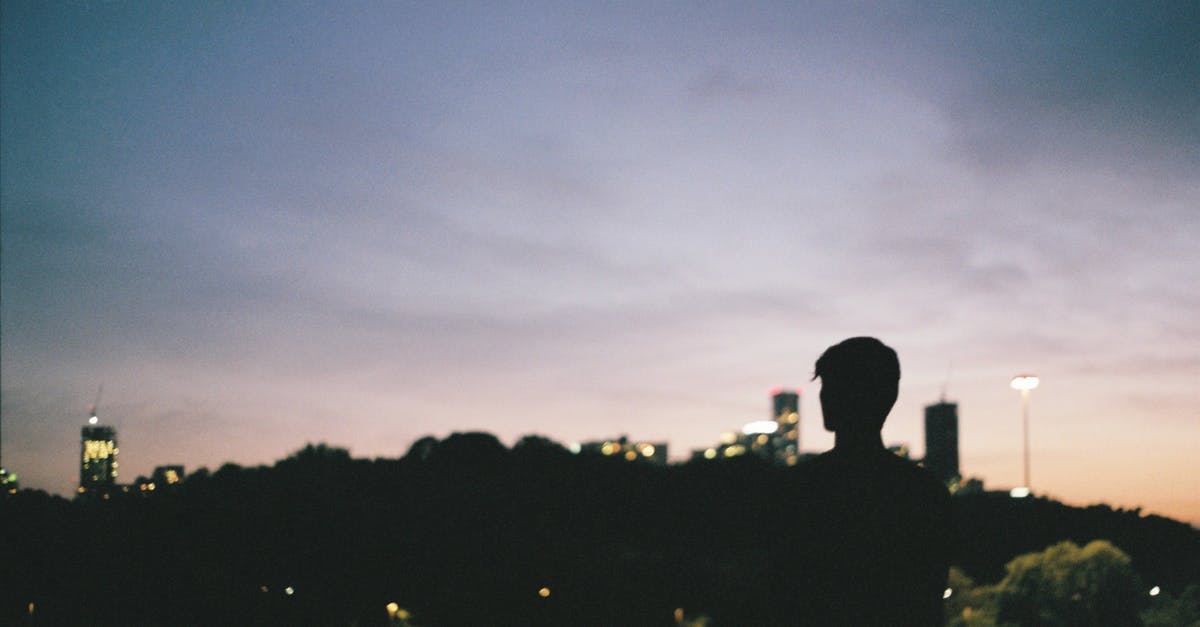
x: 860, y: 380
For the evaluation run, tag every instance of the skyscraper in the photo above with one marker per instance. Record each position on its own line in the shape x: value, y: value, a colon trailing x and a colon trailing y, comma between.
x: 98, y: 459
x: 785, y: 411
x: 941, y: 440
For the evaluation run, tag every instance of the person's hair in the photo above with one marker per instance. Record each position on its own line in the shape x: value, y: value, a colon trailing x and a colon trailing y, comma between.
x: 865, y: 373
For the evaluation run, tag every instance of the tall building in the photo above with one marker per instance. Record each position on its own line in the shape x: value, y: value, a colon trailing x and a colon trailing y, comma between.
x: 941, y: 440
x: 98, y: 459
x: 785, y: 411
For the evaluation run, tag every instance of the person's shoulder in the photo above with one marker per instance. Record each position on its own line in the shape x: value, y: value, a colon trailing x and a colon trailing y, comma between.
x: 917, y: 476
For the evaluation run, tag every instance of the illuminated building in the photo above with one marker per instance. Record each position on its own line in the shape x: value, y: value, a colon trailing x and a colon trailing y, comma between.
x: 165, y: 476
x: 776, y: 439
x: 785, y: 411
x: 941, y: 441
x: 98, y: 459
x: 8, y: 481
x: 655, y: 452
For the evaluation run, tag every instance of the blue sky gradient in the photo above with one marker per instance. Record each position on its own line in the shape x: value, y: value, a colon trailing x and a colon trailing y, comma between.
x: 263, y: 224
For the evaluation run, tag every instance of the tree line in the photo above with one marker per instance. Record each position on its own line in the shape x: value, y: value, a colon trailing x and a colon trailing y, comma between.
x: 466, y: 531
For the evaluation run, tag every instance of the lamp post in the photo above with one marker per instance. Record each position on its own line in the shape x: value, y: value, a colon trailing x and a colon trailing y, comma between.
x: 1025, y: 383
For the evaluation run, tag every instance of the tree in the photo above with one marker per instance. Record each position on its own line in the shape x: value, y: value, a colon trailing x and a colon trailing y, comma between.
x: 1069, y: 586
x: 1169, y: 611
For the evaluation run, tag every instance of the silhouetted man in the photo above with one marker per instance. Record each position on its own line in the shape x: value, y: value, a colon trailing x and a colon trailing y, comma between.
x: 870, y: 528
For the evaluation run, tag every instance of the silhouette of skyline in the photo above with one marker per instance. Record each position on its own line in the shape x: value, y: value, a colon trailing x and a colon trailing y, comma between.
x: 362, y: 226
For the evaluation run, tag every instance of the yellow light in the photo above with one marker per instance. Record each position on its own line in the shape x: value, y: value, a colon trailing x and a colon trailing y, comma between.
x: 793, y: 418
x: 392, y: 608
x: 679, y: 615
x: 734, y: 451
x: 710, y: 453
x: 544, y: 592
x: 947, y: 593
x: 608, y: 448
x: 403, y: 614
x: 647, y: 449
x: 761, y: 439
x: 630, y: 455
x: 31, y: 606
x: 728, y: 437
x: 1024, y: 382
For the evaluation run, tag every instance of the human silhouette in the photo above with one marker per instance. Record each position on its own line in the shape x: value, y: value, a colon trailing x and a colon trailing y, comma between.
x: 868, y: 531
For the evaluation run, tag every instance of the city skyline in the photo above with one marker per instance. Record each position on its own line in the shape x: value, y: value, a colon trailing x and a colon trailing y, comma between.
x: 361, y: 225
x: 99, y: 440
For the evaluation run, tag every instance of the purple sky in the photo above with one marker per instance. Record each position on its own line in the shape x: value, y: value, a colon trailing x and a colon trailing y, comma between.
x: 263, y: 226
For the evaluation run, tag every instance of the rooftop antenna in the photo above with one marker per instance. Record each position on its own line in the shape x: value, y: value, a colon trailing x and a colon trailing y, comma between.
x: 92, y: 417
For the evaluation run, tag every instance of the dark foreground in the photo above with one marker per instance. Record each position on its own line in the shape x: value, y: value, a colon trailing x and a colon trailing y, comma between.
x: 466, y: 532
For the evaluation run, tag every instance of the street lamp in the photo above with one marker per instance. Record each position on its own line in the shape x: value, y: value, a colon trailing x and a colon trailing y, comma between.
x: 1025, y: 383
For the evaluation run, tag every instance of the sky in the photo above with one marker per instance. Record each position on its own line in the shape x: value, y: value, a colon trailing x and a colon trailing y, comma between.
x: 259, y: 225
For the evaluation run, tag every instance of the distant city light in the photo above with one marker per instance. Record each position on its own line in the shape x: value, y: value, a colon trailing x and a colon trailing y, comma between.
x: 1019, y: 493
x: 947, y: 593
x: 760, y: 426
x: 728, y: 437
x: 1155, y: 591
x: 647, y: 450
x: 710, y: 453
x: 93, y: 420
x: 544, y: 592
x: 289, y: 591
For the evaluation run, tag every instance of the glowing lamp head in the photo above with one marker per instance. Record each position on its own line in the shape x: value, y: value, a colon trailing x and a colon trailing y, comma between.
x: 1024, y: 382
x: 93, y: 420
x: 1019, y: 492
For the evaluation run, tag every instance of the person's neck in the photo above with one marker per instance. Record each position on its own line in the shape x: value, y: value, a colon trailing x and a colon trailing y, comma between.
x: 851, y: 442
